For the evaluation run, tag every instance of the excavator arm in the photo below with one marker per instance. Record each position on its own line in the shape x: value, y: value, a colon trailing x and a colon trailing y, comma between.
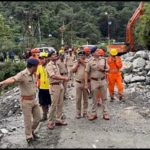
x: 129, y: 30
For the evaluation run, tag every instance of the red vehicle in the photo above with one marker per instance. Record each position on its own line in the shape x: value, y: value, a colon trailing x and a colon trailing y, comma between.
x: 129, y: 43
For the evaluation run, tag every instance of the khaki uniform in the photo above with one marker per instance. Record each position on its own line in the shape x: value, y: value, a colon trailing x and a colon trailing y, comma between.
x: 57, y: 92
x: 30, y: 107
x: 63, y: 71
x: 80, y: 90
x: 70, y: 62
x: 98, y: 82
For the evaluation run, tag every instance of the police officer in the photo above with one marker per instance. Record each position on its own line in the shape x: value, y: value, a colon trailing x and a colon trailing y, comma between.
x: 70, y: 58
x: 29, y: 104
x: 63, y: 70
x: 57, y: 92
x: 79, y: 70
x: 95, y: 68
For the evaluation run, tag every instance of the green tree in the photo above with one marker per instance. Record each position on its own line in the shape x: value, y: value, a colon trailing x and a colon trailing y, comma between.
x: 142, y: 30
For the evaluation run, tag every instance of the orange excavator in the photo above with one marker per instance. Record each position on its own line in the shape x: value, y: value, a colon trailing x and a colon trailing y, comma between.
x: 129, y: 44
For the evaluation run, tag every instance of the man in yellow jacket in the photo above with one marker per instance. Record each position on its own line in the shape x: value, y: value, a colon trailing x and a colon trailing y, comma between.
x: 43, y: 85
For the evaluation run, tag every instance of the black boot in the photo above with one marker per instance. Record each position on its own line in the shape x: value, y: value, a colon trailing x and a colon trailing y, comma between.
x: 35, y: 136
x: 112, y: 99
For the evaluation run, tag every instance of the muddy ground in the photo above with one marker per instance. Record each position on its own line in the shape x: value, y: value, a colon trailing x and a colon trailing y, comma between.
x: 129, y: 126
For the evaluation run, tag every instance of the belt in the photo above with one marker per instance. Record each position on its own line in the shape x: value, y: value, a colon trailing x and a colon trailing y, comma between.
x: 55, y: 83
x: 96, y: 79
x: 78, y: 81
x: 81, y: 81
x: 63, y: 73
x: 27, y: 97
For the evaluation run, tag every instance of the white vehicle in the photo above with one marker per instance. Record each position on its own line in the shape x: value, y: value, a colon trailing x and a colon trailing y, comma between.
x: 90, y: 46
x: 47, y: 49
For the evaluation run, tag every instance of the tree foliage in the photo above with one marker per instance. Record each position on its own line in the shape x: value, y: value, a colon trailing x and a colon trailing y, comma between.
x: 143, y: 28
x: 84, y: 21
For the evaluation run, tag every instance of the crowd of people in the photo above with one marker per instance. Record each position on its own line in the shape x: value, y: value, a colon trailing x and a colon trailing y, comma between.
x: 5, y: 56
x: 50, y: 74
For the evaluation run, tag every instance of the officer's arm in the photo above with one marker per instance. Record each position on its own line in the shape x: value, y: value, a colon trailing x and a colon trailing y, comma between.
x: 86, y: 77
x: 75, y: 67
x: 87, y: 70
x: 107, y: 67
x: 59, y: 77
x: 7, y: 81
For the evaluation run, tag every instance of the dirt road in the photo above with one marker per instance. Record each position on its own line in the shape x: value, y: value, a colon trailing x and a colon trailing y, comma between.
x: 127, y: 128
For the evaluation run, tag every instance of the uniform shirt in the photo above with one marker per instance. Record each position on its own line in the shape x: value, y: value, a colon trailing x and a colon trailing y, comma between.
x: 80, y: 73
x: 27, y: 83
x: 43, y: 80
x: 70, y: 60
x: 92, y: 68
x: 52, y: 69
x: 62, y: 66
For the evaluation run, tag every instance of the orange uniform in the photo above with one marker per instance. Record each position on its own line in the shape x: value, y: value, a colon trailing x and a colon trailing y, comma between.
x: 114, y: 75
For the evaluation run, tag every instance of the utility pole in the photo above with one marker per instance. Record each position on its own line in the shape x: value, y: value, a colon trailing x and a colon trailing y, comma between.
x: 62, y: 35
x: 39, y: 30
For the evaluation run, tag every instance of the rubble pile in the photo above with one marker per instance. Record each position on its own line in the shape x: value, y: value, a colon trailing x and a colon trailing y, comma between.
x: 9, y: 103
x: 136, y: 67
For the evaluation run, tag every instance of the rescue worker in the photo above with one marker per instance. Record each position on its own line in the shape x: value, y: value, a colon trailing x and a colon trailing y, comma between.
x: 63, y: 69
x: 114, y: 75
x: 81, y: 92
x: 70, y: 58
x: 29, y: 104
x: 43, y: 85
x: 57, y: 92
x: 95, y: 69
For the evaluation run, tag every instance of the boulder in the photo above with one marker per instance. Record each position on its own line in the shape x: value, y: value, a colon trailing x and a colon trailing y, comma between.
x: 127, y: 67
x: 136, y: 70
x: 139, y: 63
x: 142, y: 73
x: 147, y: 80
x: 127, y: 78
x: 147, y: 67
x: 148, y: 74
x: 4, y: 131
x: 138, y: 79
x: 142, y: 54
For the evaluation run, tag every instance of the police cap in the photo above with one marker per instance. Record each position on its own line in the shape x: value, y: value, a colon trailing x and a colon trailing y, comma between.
x: 93, y: 49
x: 81, y: 53
x: 32, y: 61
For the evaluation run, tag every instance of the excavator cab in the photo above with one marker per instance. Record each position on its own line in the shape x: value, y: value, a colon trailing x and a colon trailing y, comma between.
x: 128, y: 46
x: 121, y: 48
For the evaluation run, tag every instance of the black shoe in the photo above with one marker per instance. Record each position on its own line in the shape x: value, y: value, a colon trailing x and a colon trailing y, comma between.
x: 112, y: 99
x: 120, y: 97
x: 35, y: 136
x: 29, y: 140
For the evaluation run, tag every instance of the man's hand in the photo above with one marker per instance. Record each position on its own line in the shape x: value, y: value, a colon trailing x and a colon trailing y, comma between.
x: 100, y: 69
x: 1, y: 84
